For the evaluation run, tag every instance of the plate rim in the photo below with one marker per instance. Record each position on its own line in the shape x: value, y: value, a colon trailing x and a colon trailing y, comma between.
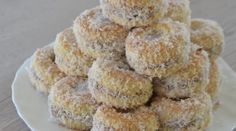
x: 13, y: 93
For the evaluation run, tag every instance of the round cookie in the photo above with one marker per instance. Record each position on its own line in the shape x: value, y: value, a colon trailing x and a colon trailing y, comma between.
x: 209, y: 35
x: 179, y: 10
x: 214, y: 83
x: 43, y: 71
x: 158, y: 50
x: 69, y: 57
x: 113, y: 83
x: 190, y: 79
x: 134, y: 13
x: 188, y: 114
x: 109, y: 119
x: 71, y: 104
x: 97, y: 36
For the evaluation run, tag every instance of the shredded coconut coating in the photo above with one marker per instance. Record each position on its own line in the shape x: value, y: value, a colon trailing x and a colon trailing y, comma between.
x: 109, y: 119
x: 134, y: 13
x: 44, y: 73
x: 182, y: 115
x: 214, y: 84
x: 192, y: 78
x: 97, y: 36
x: 179, y: 10
x: 209, y: 35
x: 71, y: 104
x: 69, y: 57
x: 113, y: 83
x: 158, y: 50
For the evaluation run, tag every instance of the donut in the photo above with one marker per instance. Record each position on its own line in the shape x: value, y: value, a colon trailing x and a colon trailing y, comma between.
x: 158, y: 50
x: 192, y: 78
x: 97, y: 36
x: 43, y: 71
x: 134, y: 13
x: 71, y: 104
x: 209, y: 35
x: 112, y: 82
x: 189, y: 114
x: 110, y: 119
x: 68, y: 56
x: 214, y: 83
x: 179, y: 10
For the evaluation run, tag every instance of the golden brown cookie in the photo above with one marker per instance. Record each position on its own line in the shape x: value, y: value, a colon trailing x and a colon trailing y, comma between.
x: 214, y: 83
x: 134, y: 13
x: 190, y: 79
x: 97, y: 36
x: 189, y: 114
x: 109, y: 119
x: 158, y: 50
x: 112, y: 82
x: 179, y: 10
x: 68, y: 55
x: 209, y: 35
x: 71, y: 104
x: 43, y: 71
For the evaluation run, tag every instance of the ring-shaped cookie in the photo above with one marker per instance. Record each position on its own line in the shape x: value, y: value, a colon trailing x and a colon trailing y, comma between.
x: 209, y: 35
x: 112, y: 82
x: 134, y: 13
x: 109, y: 119
x: 71, y: 104
x: 97, y: 36
x: 44, y: 72
x: 183, y: 114
x: 191, y: 78
x: 69, y: 57
x: 158, y: 50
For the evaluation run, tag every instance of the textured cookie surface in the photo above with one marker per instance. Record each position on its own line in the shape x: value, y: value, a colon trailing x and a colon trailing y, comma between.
x: 179, y: 10
x: 97, y: 36
x: 109, y: 119
x: 113, y: 82
x: 209, y: 35
x: 68, y: 55
x: 134, y: 13
x: 188, y: 114
x: 214, y: 83
x: 158, y: 50
x: 71, y: 104
x: 190, y: 79
x: 43, y: 72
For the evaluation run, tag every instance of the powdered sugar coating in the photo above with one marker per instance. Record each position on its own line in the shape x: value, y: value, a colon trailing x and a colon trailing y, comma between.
x: 179, y: 10
x: 69, y: 56
x: 71, y: 104
x: 159, y: 55
x: 134, y: 13
x: 209, y: 35
x: 184, y: 114
x: 43, y: 72
x: 113, y: 83
x: 191, y: 78
x: 97, y: 36
x: 109, y: 119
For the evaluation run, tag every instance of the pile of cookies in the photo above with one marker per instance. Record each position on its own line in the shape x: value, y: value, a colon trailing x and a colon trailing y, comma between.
x: 132, y: 65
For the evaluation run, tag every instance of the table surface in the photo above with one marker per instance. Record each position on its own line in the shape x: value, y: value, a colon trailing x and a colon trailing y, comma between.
x: 28, y: 24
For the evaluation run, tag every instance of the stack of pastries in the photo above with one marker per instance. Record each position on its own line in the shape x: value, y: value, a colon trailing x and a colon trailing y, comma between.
x: 132, y: 65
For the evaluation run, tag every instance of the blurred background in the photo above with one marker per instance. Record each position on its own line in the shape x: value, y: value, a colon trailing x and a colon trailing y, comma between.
x: 29, y: 24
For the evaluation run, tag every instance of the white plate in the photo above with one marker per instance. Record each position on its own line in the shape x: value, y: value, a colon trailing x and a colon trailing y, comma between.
x: 32, y: 106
